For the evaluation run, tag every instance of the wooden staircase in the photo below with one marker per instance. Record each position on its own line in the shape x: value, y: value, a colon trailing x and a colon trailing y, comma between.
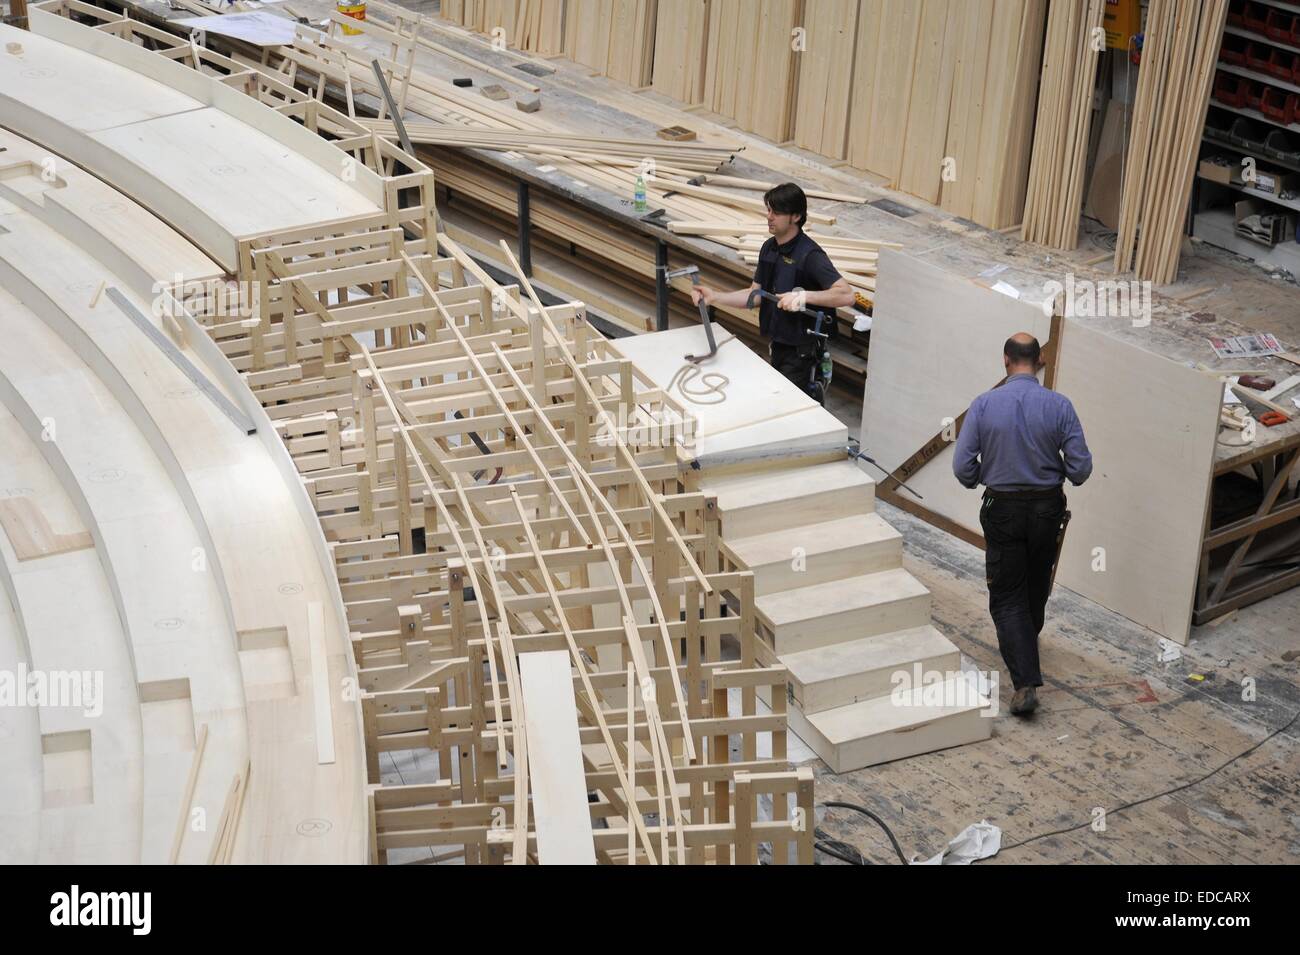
x: 836, y: 607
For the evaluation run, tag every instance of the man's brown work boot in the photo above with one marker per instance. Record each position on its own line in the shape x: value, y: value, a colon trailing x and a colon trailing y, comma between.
x: 1024, y: 702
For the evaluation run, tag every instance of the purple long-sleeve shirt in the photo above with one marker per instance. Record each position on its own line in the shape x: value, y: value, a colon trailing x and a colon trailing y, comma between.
x: 1021, y: 435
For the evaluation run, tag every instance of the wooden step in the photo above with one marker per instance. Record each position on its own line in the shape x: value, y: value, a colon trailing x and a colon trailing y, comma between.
x: 817, y: 553
x: 790, y: 497
x: 840, y: 610
x: 880, y: 730
x: 867, y: 668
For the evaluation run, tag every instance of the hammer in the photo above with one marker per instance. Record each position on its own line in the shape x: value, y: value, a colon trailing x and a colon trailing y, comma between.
x: 694, y: 272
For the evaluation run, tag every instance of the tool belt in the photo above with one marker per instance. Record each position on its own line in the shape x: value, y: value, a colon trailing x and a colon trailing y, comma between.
x: 1037, y: 494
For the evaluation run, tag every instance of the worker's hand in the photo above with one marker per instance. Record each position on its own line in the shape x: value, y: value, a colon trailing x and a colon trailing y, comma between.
x: 795, y: 301
x: 702, y: 293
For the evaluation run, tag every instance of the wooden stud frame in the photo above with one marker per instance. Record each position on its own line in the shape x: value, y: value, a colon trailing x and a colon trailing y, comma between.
x: 493, y: 481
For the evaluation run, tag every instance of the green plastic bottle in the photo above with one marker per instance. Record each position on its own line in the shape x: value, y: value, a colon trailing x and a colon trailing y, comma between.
x: 639, y: 195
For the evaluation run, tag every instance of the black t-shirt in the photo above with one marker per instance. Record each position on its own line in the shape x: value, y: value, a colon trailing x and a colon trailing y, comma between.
x: 800, y: 263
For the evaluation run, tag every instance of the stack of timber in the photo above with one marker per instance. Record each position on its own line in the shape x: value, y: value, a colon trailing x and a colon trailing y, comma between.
x: 750, y: 74
x: 1055, y: 193
x: 613, y: 37
x: 954, y: 83
x: 936, y: 97
x: 835, y: 608
x: 826, y: 67
x: 1178, y: 61
x: 636, y: 154
x: 681, y: 37
x: 533, y: 25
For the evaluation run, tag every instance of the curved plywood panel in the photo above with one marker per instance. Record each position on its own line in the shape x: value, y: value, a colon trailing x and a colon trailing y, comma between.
x: 197, y: 153
x: 129, y: 239
x: 182, y: 648
x: 249, y: 543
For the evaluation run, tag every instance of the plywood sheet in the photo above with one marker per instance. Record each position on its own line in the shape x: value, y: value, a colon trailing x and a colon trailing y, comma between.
x: 891, y: 86
x: 1150, y: 423
x: 936, y: 343
x: 681, y: 33
x: 927, y: 119
x: 561, y: 813
x: 78, y: 88
x: 248, y: 181
x: 762, y: 414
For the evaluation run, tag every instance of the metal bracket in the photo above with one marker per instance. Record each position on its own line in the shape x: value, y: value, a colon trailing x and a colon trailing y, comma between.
x: 187, y: 367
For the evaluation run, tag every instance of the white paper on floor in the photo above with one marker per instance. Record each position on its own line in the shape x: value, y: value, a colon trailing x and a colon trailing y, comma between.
x: 977, y: 841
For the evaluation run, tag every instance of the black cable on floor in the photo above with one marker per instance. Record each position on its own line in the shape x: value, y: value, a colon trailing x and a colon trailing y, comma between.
x: 1167, y: 792
x: 839, y: 850
x: 898, y: 850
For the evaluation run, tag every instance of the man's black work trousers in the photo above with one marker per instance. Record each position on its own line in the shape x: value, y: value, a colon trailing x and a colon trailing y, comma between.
x: 1020, y: 530
x: 796, y: 362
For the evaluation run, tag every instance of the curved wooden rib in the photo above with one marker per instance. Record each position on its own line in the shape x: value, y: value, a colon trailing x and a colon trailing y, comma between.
x: 446, y: 436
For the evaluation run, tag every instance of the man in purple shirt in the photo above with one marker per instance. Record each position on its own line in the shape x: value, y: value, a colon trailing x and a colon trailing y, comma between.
x: 1021, y: 441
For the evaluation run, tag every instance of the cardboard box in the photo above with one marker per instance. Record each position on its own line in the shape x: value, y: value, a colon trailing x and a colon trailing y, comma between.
x: 1213, y: 172
x: 1273, y: 182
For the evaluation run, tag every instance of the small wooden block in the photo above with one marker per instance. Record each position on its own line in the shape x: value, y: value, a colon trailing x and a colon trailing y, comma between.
x: 494, y: 91
x: 675, y: 134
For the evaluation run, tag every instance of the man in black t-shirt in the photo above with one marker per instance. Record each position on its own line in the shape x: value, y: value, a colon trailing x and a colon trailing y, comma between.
x: 795, y: 268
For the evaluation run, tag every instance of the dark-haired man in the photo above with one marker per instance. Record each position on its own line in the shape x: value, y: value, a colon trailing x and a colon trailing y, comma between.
x: 797, y: 269
x: 1021, y: 441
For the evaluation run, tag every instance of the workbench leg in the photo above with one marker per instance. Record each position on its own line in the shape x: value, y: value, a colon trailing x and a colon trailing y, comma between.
x: 661, y: 286
x: 525, y: 231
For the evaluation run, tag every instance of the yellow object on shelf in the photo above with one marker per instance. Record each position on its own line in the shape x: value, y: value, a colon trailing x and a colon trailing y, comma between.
x: 357, y: 11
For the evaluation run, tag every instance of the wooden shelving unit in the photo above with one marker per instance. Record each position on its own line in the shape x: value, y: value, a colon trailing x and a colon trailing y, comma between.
x: 1211, y: 220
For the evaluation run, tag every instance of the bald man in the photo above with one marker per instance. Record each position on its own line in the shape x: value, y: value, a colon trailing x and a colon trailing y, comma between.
x: 1021, y: 441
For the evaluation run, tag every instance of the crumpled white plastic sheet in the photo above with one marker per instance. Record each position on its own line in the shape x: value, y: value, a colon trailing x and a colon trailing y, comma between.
x: 977, y: 841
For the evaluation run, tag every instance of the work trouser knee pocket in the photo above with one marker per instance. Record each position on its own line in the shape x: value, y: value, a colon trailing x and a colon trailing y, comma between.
x: 992, y: 564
